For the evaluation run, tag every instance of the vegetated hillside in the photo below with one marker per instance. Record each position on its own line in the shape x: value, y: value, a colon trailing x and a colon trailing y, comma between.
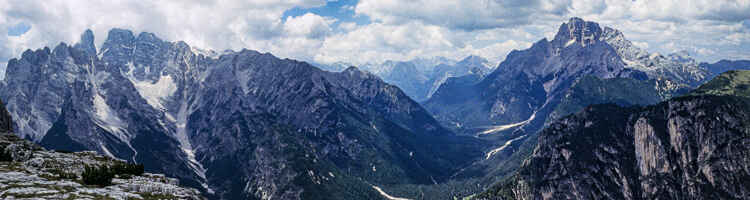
x: 730, y: 83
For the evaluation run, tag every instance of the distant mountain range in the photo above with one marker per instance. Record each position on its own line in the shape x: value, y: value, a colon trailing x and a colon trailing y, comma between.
x: 420, y: 78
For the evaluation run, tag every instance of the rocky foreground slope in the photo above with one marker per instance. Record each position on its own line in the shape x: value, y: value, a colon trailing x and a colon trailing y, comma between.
x: 28, y: 171
x: 691, y: 147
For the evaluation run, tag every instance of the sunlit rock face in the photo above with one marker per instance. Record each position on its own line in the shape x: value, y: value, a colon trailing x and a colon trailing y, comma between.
x: 690, y: 147
x: 236, y: 125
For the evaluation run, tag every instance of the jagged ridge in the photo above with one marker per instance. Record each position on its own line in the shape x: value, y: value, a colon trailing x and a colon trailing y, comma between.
x: 240, y: 124
x: 691, y: 147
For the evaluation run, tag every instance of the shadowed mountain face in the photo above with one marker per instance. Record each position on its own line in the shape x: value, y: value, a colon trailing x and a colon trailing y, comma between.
x: 238, y: 124
x: 530, y: 83
x: 583, y: 64
x: 6, y: 123
x: 691, y: 147
x: 508, y: 106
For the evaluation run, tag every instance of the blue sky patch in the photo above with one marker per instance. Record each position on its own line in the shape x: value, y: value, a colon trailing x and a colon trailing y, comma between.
x: 342, y: 10
x: 19, y: 29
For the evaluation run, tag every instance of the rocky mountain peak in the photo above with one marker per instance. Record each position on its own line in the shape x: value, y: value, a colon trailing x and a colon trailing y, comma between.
x: 473, y: 59
x: 682, y: 57
x: 118, y: 36
x: 609, y: 34
x: 146, y: 36
x: 159, y: 103
x: 578, y: 31
x: 351, y: 70
x: 677, y: 67
x: 543, y: 73
x: 32, y: 55
x: 87, y: 42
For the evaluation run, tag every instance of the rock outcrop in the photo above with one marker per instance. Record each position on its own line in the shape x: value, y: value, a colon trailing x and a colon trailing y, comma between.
x: 28, y: 171
x: 6, y: 122
x: 691, y: 147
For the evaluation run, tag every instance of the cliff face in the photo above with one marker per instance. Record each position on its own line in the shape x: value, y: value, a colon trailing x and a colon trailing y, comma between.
x: 6, y: 123
x: 694, y: 147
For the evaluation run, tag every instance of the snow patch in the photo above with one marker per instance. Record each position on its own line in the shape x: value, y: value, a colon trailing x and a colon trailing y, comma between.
x: 103, y: 116
x: 549, y: 84
x: 204, y: 52
x: 108, y: 120
x: 153, y: 93
x: 508, y: 126
x: 244, y: 77
x: 106, y: 151
x: 26, y: 130
x: 637, y: 65
x: 570, y: 42
x: 180, y: 122
x: 654, y: 56
x: 102, y: 54
x: 437, y: 84
x: 386, y: 195
x: 185, y: 145
x: 508, y: 143
x: 209, y: 190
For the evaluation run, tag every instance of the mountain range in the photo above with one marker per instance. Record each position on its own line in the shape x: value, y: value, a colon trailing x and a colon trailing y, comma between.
x: 232, y: 124
x: 248, y: 125
x: 689, y: 147
x: 421, y: 77
x: 582, y: 65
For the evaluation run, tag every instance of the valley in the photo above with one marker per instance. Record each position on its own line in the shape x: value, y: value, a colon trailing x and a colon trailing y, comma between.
x: 584, y: 114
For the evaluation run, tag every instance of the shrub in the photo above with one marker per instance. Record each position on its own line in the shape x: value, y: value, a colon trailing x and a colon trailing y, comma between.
x: 125, y: 176
x: 62, y: 151
x: 62, y: 174
x: 127, y: 168
x: 5, y: 156
x: 101, y: 176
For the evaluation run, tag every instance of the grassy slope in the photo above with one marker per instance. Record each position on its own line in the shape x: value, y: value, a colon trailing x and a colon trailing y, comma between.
x: 736, y: 82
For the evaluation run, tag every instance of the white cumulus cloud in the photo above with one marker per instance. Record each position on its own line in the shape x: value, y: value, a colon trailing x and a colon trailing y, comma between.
x: 253, y: 24
x: 396, y: 30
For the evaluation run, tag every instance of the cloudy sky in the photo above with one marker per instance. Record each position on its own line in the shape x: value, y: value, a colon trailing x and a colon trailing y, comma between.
x: 371, y: 31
